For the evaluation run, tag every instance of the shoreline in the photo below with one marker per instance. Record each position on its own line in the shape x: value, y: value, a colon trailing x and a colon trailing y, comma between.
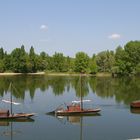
x: 43, y: 73
x: 12, y: 73
x: 56, y: 74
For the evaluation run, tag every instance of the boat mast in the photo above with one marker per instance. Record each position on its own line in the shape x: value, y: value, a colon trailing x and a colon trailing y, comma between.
x: 81, y: 91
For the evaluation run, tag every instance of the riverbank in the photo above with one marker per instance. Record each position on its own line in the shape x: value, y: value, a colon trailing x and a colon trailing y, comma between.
x: 12, y: 73
x: 56, y: 74
x: 104, y: 74
x: 77, y: 74
x: 67, y: 74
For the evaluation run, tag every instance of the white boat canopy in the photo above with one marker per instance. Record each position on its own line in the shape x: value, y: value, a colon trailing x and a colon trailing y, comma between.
x: 80, y: 101
x: 6, y: 101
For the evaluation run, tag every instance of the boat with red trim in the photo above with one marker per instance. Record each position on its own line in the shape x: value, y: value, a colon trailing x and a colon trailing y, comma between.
x: 76, y: 107
x: 6, y: 114
x: 135, y: 104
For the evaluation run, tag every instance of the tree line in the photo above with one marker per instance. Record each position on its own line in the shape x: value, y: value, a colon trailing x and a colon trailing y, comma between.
x: 123, y: 61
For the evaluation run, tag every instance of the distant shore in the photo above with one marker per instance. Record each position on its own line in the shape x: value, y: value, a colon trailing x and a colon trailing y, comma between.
x: 12, y: 73
x: 55, y: 74
x: 67, y: 74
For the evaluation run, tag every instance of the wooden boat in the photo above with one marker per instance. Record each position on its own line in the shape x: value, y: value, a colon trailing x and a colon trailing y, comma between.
x: 135, y: 104
x: 6, y: 114
x: 75, y: 108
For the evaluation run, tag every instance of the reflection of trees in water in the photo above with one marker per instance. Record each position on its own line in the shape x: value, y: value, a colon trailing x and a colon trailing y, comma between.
x: 22, y: 84
x: 129, y: 90
x: 123, y: 89
x: 58, y: 84
x: 104, y: 88
x: 30, y: 83
x: 93, y: 83
x: 83, y: 84
x: 3, y: 86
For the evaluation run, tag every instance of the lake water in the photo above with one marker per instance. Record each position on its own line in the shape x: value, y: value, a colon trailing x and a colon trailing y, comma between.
x: 41, y: 94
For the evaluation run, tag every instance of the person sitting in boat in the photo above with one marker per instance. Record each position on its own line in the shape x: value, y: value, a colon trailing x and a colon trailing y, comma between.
x: 8, y: 113
x: 67, y: 107
x: 73, y: 107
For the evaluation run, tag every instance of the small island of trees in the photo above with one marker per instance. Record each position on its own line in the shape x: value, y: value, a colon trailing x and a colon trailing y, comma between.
x: 123, y: 61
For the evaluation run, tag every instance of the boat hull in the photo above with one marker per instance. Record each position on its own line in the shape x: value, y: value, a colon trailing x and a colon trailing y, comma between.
x: 135, y: 104
x: 76, y: 113
x: 18, y: 116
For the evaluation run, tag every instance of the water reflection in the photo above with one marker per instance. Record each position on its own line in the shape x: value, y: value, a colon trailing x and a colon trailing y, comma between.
x: 76, y: 120
x: 4, y: 123
x: 82, y: 83
x: 10, y: 132
x: 135, y: 110
x: 7, y: 121
x: 122, y: 89
x: 47, y: 92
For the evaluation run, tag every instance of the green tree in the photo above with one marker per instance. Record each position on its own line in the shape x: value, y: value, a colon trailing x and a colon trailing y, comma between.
x: 43, y: 61
x: 23, y: 59
x: 101, y: 61
x: 105, y: 61
x: 44, y: 64
x: 120, y: 61
x: 132, y: 49
x: 125, y: 64
x: 58, y: 61
x: 68, y: 64
x: 1, y: 60
x: 18, y: 59
x: 93, y: 65
x: 138, y: 69
x: 81, y: 62
x: 1, y: 53
x: 7, y: 62
x: 32, y: 60
x: 1, y: 66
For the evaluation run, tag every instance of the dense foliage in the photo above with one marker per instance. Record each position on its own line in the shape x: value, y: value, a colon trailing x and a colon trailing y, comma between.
x: 123, y: 61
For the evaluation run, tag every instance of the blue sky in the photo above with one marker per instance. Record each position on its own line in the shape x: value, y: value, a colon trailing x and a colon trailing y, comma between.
x: 68, y: 26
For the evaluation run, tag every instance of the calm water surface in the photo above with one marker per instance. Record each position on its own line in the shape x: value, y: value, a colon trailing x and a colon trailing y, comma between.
x: 41, y: 94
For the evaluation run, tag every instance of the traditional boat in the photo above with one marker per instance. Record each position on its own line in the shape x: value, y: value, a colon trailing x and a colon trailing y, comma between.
x: 6, y: 122
x: 6, y: 114
x: 75, y: 108
x: 135, y: 104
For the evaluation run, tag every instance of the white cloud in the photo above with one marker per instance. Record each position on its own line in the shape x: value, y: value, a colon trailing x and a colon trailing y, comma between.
x: 44, y: 27
x: 114, y: 36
